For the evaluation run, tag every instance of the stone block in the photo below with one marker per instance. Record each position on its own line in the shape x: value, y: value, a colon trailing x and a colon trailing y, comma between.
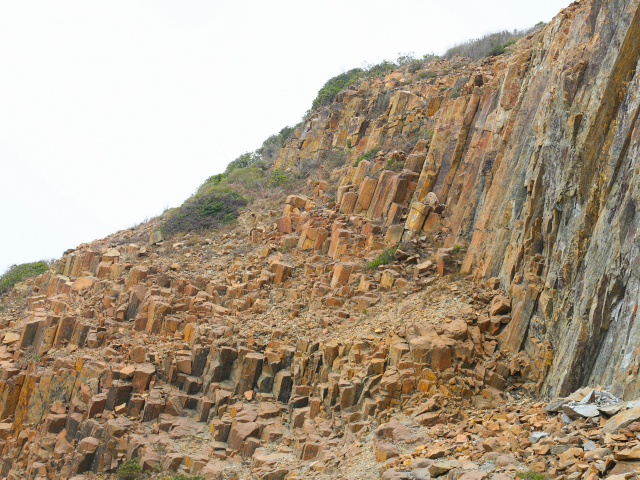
x: 155, y: 237
x: 341, y: 273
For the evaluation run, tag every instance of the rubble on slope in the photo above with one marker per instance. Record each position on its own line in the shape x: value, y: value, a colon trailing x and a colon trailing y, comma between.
x: 330, y: 335
x: 266, y: 364
x: 260, y: 350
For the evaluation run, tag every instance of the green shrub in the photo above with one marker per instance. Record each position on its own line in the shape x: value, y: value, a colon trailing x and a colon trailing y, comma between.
x: 248, y: 169
x: 348, y: 143
x: 405, y: 59
x: 415, y: 66
x: 380, y: 69
x: 269, y: 149
x: 457, y: 248
x: 204, y: 212
x: 394, y: 165
x: 335, y: 85
x: 182, y: 476
x: 278, y: 177
x: 368, y: 155
x: 430, y: 57
x: 531, y: 475
x: 495, y: 51
x: 383, y: 259
x: 215, y: 179
x: 428, y: 74
x: 251, y: 177
x: 500, y: 49
x: 245, y: 160
x: 18, y: 273
x: 130, y: 470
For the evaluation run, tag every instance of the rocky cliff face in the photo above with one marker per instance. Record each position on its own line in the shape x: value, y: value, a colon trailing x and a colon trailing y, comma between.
x: 465, y: 240
x: 535, y: 158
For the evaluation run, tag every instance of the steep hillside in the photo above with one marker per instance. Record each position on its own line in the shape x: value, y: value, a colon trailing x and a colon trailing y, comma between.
x: 534, y: 156
x: 432, y: 251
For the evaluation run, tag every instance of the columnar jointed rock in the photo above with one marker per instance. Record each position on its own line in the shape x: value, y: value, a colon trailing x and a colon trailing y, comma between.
x: 287, y: 339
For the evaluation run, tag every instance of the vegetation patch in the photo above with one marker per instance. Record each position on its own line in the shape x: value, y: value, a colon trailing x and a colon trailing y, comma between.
x: 250, y: 177
x: 531, y: 475
x: 430, y: 57
x: 394, y: 165
x: 250, y: 167
x: 500, y: 49
x: 130, y: 470
x: 415, y: 66
x: 489, y: 45
x: 335, y: 85
x: 383, y: 259
x: 205, y: 212
x: 381, y: 105
x: 368, y: 155
x: 427, y: 75
x: 247, y: 166
x: 269, y: 149
x: 336, y: 158
x: 279, y: 178
x: 379, y: 69
x: 457, y: 86
x: 18, y: 273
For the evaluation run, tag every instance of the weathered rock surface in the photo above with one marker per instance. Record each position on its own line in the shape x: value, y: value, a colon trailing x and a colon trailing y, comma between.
x: 297, y: 344
x: 560, y: 235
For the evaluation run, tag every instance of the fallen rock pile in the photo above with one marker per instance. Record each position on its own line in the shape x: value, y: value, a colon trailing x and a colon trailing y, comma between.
x: 225, y: 363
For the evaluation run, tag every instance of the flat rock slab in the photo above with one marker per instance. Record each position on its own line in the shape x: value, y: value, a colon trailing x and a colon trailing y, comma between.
x: 612, y: 409
x: 556, y: 405
x: 628, y: 454
x: 421, y: 474
x: 535, y: 437
x: 10, y: 337
x: 623, y: 467
x: 440, y: 468
x: 621, y: 420
x: 580, y: 411
x: 474, y: 475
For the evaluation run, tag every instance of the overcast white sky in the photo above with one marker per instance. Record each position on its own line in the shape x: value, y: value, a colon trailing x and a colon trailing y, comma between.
x: 112, y: 111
